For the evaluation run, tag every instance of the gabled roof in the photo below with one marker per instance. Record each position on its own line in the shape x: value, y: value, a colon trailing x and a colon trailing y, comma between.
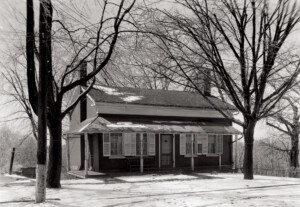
x: 155, y: 97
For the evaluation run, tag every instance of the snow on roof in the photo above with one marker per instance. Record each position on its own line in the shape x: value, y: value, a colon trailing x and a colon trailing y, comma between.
x: 109, y: 91
x: 131, y: 98
x: 126, y: 125
x: 125, y: 96
x: 155, y: 97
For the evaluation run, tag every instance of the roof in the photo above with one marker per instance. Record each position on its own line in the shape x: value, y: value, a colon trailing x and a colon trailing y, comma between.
x: 155, y: 97
x: 99, y: 125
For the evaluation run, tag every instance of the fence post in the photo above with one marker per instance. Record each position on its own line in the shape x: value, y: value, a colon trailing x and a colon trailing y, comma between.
x: 12, y: 160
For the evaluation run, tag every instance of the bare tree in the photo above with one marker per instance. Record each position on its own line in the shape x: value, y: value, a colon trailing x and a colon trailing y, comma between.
x: 240, y: 43
x: 17, y: 94
x: 88, y: 42
x: 286, y: 121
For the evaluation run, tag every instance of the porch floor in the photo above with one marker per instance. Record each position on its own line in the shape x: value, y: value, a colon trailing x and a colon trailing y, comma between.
x: 203, y: 169
x: 91, y: 174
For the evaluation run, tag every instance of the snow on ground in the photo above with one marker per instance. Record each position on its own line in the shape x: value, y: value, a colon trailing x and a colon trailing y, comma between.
x: 196, y: 189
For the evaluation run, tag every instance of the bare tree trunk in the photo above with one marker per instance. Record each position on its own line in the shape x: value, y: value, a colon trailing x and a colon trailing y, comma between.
x: 45, y: 59
x: 248, y: 154
x: 55, y: 149
x: 294, y: 153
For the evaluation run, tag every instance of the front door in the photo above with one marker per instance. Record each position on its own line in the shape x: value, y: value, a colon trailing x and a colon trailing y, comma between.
x: 166, y: 150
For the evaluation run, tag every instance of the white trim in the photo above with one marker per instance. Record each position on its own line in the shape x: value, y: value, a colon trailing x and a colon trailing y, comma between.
x: 142, y: 152
x: 136, y: 109
x: 159, y: 151
x: 174, y: 151
x: 91, y: 99
x: 192, y: 153
x: 86, y: 154
x: 68, y: 154
x: 235, y: 156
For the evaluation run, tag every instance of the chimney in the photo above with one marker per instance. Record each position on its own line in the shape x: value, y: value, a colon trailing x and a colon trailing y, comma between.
x: 83, y: 71
x: 83, y: 101
x: 207, y: 83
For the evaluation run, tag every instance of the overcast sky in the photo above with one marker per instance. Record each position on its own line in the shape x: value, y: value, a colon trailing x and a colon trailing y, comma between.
x: 12, y: 15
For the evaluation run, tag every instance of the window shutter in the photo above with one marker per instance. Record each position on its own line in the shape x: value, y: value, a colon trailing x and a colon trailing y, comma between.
x: 151, y: 144
x: 106, y: 144
x: 127, y: 144
x: 133, y: 144
x: 182, y: 144
x: 204, y: 143
x: 219, y: 144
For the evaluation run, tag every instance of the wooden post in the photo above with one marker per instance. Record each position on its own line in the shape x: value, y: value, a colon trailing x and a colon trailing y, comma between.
x: 173, y: 150
x: 141, y: 158
x: 220, y: 161
x: 86, y: 157
x: 235, y: 156
x: 12, y: 160
x: 68, y: 154
x: 159, y: 152
x: 192, y: 157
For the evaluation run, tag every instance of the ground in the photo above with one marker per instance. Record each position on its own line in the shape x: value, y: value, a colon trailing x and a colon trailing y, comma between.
x: 196, y: 189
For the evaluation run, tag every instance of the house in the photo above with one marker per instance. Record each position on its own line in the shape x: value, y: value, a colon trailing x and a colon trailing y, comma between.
x: 126, y: 129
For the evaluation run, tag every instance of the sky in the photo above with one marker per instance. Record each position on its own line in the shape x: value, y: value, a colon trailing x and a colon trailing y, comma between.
x: 12, y: 14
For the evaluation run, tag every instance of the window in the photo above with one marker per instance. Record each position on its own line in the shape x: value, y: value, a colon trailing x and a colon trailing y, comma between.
x: 199, y: 148
x: 200, y: 144
x: 116, y: 143
x: 188, y: 144
x: 128, y: 144
x: 144, y: 143
x: 212, y: 144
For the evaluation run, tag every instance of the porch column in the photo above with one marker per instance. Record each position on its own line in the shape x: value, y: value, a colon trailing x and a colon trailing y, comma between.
x: 192, y: 157
x: 86, y: 157
x: 235, y: 156
x: 159, y: 152
x: 68, y: 153
x: 141, y: 158
x: 173, y: 150
x: 220, y: 161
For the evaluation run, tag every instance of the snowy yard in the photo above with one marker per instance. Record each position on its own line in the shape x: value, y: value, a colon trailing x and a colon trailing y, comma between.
x: 196, y: 189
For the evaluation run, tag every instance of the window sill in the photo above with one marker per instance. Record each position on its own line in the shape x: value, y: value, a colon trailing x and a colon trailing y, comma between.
x: 212, y: 155
x: 190, y: 155
x: 116, y: 157
x: 207, y: 155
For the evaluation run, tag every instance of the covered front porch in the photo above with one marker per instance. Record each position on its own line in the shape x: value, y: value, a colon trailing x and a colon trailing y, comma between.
x: 166, y: 154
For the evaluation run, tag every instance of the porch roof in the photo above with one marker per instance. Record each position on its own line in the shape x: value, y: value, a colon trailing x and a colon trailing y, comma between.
x: 99, y: 125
